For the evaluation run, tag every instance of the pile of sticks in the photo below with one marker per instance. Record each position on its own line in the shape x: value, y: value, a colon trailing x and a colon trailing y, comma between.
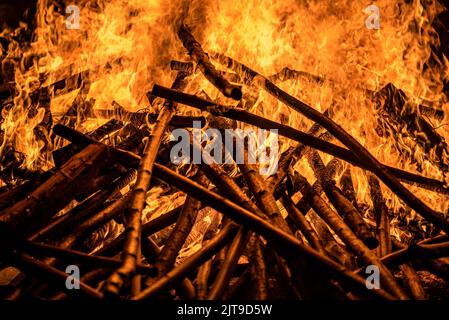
x: 268, y: 237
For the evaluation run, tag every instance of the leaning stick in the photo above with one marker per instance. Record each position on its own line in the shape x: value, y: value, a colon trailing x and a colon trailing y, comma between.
x: 227, y: 269
x: 74, y: 256
x: 331, y: 170
x: 180, y: 232
x: 347, y: 186
x: 438, y: 218
x: 258, y: 268
x: 137, y: 203
x: 412, y: 282
x: 411, y: 279
x: 294, y: 134
x: 344, y: 207
x: 303, y: 224
x: 148, y: 229
x: 52, y: 195
x: 202, y: 60
x: 26, y: 263
x: 190, y: 264
x: 381, y: 213
x: 202, y: 278
x: 352, y: 241
x: 259, y: 188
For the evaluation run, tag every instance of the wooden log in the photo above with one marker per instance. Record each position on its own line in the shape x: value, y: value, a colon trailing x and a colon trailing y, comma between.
x: 260, y: 190
x: 190, y: 264
x: 61, y: 155
x: 121, y: 114
x: 204, y: 271
x: 15, y: 194
x: 411, y: 279
x: 347, y: 187
x: 437, y: 218
x: 151, y: 252
x: 78, y: 257
x: 84, y: 210
x: 225, y: 273
x: 48, y: 273
x: 94, y: 222
x: 206, y: 67
x: 227, y: 185
x: 412, y: 282
x: 289, y: 159
x: 52, y: 195
x: 180, y: 232
x: 381, y: 213
x: 148, y: 229
x: 259, y: 273
x: 134, y: 213
x: 351, y: 240
x: 344, y: 207
x: 303, y: 225
x: 239, y: 114
x: 331, y: 170
x: 189, y: 68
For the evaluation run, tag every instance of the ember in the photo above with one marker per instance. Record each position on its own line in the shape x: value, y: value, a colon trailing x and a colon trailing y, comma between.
x: 346, y: 198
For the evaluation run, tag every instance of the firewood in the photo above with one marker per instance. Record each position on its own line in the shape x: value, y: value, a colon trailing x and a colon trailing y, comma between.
x: 290, y: 158
x: 331, y: 171
x: 202, y: 278
x: 285, y: 276
x: 189, y: 68
x: 51, y: 274
x: 227, y: 185
x: 94, y: 222
x: 137, y: 203
x: 52, y: 195
x: 296, y: 135
x: 60, y: 156
x: 346, y: 234
x: 381, y: 213
x: 121, y: 114
x: 258, y: 268
x: 80, y: 258
x: 259, y: 188
x: 148, y: 229
x: 206, y: 67
x: 347, y: 187
x: 340, y: 134
x: 303, y: 225
x: 411, y: 279
x: 224, y: 275
x: 15, y: 194
x: 84, y: 209
x: 190, y: 263
x: 412, y: 282
x: 259, y: 225
x: 180, y: 232
x: 344, y: 207
x: 244, y: 217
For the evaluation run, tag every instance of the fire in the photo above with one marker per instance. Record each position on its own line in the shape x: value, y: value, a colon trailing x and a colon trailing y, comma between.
x: 129, y: 45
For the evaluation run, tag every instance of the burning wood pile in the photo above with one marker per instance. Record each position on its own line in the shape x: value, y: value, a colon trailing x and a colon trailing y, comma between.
x: 111, y: 215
